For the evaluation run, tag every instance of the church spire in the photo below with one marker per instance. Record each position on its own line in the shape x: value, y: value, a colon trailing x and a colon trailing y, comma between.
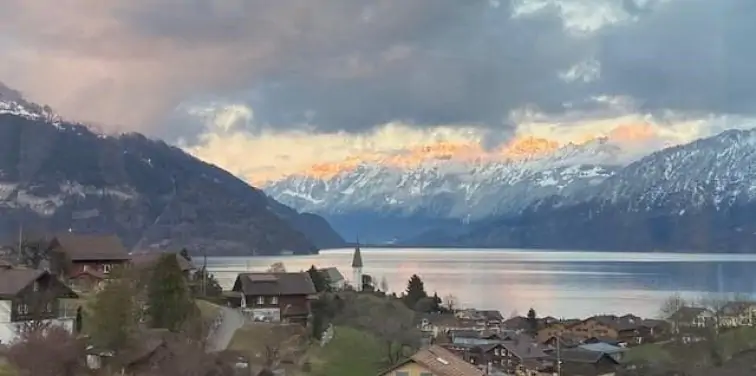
x: 357, y: 256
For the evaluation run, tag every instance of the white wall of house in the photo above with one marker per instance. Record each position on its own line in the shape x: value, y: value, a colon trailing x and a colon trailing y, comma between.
x: 9, y: 331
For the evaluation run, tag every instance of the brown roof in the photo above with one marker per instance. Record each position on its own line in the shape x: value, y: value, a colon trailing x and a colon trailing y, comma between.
x: 274, y: 284
x: 440, y: 362
x: 151, y: 258
x: 12, y: 281
x: 90, y: 247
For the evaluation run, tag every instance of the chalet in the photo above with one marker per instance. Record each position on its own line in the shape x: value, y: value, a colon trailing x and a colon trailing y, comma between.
x: 273, y: 297
x: 86, y: 260
x: 335, y: 278
x: 483, y: 318
x: 734, y: 314
x: 30, y: 296
x: 584, y: 362
x: 433, y: 361
x: 691, y: 318
x: 518, y: 323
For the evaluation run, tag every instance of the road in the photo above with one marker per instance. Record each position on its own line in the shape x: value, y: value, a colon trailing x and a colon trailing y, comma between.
x: 228, y: 322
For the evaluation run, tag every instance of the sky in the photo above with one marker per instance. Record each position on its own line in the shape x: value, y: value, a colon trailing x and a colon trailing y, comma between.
x: 267, y: 88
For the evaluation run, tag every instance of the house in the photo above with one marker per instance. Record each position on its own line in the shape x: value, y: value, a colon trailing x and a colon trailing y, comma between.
x: 691, y: 318
x: 741, y: 313
x: 273, y: 297
x: 147, y: 260
x: 86, y: 260
x: 335, y: 278
x: 483, y: 318
x: 596, y: 326
x: 583, y: 362
x: 614, y: 351
x: 30, y: 296
x: 433, y: 361
x: 518, y: 323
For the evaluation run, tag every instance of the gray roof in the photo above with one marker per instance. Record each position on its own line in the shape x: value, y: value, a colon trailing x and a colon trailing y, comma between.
x: 90, y: 247
x: 578, y: 355
x: 357, y: 258
x: 266, y: 284
x: 334, y: 275
x: 602, y: 347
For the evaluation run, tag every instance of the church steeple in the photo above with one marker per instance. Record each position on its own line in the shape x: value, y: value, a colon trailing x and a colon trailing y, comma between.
x: 357, y: 267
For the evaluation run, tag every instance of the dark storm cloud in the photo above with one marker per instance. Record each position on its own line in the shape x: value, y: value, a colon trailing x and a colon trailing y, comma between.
x: 691, y: 55
x: 352, y: 64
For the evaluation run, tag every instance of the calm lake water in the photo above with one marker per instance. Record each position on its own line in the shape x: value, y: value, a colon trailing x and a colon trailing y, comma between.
x: 558, y: 283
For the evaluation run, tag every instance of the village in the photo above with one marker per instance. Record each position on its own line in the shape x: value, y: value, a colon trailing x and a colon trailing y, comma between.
x: 313, y: 322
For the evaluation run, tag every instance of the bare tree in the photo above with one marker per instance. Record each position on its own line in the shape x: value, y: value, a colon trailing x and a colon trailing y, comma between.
x: 32, y: 251
x: 49, y: 352
x: 277, y: 267
x: 451, y: 302
x: 384, y: 284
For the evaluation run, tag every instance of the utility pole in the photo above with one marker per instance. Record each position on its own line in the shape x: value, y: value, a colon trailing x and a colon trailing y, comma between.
x: 204, y: 272
x: 20, y: 241
x: 559, y: 355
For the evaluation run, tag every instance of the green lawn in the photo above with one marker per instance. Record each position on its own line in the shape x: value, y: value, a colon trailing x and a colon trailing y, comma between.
x: 350, y: 352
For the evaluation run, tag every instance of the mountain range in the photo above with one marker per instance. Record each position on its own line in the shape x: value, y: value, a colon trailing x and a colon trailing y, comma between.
x: 62, y: 176
x: 594, y: 195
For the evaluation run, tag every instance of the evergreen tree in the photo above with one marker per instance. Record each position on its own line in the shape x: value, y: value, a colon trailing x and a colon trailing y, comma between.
x: 319, y: 279
x: 415, y: 291
x: 169, y: 303
x: 532, y: 321
x: 113, y: 314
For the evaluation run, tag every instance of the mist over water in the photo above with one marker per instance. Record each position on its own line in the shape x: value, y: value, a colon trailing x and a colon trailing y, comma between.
x: 555, y: 283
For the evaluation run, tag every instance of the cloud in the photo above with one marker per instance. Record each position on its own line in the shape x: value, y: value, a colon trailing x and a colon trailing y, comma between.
x: 337, y: 64
x: 259, y: 154
x: 351, y: 65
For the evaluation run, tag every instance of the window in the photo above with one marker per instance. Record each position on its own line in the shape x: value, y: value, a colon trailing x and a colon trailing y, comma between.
x: 273, y: 300
x: 49, y: 307
x: 106, y: 268
x: 260, y: 300
x: 22, y: 308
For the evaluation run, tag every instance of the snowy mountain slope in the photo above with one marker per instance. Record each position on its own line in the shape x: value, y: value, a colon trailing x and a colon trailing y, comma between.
x: 699, y: 196
x: 452, y: 189
x: 56, y: 175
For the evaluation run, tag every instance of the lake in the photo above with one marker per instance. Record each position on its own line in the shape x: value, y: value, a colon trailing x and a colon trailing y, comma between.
x: 557, y: 283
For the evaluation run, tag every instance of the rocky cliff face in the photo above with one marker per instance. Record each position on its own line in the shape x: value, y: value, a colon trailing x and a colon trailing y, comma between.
x: 56, y: 176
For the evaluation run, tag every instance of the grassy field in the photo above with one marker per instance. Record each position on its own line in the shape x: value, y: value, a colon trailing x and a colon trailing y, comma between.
x: 350, y: 352
x: 208, y: 310
x: 256, y: 340
x: 727, y: 344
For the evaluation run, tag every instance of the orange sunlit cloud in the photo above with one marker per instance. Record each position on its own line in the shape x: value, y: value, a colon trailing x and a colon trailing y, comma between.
x: 267, y: 155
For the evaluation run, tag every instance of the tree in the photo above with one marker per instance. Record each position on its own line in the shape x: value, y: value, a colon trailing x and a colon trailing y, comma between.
x: 114, y: 313
x: 532, y: 321
x: 185, y: 254
x: 384, y: 284
x: 32, y: 252
x: 205, y: 284
x: 415, y: 291
x: 319, y: 279
x: 450, y: 302
x: 169, y: 303
x: 277, y: 267
x: 52, y: 351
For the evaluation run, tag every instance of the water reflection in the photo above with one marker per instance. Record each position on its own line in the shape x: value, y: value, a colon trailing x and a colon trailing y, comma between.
x: 562, y: 284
